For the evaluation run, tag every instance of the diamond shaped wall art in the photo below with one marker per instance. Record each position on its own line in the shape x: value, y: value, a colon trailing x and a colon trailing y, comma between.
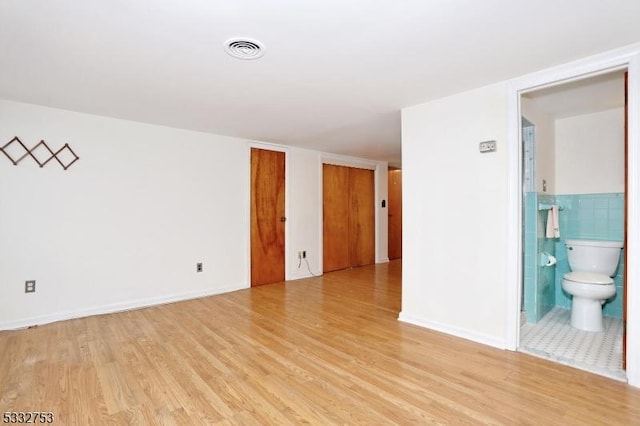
x: 41, y: 153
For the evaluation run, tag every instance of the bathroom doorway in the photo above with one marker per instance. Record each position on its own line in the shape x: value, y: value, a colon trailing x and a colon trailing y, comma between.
x: 573, y: 160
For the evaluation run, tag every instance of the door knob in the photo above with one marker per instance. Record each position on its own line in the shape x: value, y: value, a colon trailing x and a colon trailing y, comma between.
x: 283, y: 219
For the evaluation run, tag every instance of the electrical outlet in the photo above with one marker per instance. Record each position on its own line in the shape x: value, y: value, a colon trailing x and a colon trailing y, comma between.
x: 299, y: 255
x: 30, y: 286
x: 198, y: 267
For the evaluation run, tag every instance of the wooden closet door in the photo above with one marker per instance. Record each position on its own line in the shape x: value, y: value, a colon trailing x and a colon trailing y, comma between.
x: 394, y: 209
x: 361, y: 217
x: 348, y: 217
x: 335, y: 212
x: 267, y: 216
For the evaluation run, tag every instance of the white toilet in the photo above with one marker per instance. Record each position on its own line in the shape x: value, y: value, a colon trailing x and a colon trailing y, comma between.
x: 592, y: 263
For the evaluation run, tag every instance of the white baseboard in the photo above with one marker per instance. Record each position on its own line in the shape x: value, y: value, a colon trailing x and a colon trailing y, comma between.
x: 302, y: 275
x: 116, y: 307
x: 454, y: 331
x: 633, y: 379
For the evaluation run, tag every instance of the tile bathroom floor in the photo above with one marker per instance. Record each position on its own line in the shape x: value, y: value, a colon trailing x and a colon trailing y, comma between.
x: 553, y: 338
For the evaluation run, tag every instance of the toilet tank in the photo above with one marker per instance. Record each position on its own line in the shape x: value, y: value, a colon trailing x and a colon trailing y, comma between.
x: 594, y: 256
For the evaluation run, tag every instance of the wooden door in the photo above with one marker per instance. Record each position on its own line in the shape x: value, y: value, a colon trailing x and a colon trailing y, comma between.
x: 267, y: 216
x: 348, y: 217
x: 361, y: 217
x: 394, y: 210
x: 335, y: 211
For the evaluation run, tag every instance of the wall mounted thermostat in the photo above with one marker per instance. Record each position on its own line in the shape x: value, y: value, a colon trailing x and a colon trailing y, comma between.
x: 488, y: 146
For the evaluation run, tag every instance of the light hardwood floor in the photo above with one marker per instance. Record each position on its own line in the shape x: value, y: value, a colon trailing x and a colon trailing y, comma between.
x: 325, y: 350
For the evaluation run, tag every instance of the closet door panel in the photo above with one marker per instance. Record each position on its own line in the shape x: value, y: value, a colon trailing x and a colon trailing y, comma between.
x: 335, y: 224
x: 361, y: 217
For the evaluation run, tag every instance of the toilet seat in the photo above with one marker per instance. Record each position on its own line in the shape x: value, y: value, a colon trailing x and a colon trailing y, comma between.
x: 588, y: 278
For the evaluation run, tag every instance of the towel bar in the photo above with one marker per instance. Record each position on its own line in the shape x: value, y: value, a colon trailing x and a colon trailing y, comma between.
x: 548, y: 207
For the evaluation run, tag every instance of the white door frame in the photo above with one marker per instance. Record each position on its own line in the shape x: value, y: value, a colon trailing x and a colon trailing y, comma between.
x: 629, y: 58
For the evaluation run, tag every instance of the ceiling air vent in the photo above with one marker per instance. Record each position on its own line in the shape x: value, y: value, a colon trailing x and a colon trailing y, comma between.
x: 244, y: 48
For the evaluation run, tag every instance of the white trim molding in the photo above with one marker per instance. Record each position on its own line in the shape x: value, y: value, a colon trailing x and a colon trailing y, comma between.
x: 473, y: 336
x: 117, y: 307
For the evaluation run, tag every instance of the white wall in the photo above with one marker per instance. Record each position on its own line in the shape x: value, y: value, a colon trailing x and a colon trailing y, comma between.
x: 461, y: 215
x: 305, y: 212
x: 454, y: 214
x: 590, y: 153
x: 544, y: 144
x: 125, y: 225
x: 382, y: 213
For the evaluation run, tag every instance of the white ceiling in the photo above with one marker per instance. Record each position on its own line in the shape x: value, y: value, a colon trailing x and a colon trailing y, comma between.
x: 334, y: 75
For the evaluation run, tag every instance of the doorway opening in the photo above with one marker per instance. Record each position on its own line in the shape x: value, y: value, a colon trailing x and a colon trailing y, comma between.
x: 573, y: 166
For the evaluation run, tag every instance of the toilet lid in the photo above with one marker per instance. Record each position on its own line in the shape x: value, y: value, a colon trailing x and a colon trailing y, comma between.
x: 588, y: 277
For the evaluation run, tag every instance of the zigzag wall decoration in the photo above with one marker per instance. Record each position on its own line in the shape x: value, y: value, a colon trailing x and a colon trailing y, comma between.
x: 31, y: 153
